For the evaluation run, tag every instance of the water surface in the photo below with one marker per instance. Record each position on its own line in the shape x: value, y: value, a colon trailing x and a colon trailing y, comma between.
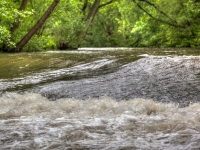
x: 30, y: 121
x: 136, y: 98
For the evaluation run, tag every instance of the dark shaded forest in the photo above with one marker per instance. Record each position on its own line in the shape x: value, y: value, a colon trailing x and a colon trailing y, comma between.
x: 33, y: 25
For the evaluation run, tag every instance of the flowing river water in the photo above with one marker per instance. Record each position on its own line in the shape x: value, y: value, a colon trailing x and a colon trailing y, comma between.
x: 101, y: 98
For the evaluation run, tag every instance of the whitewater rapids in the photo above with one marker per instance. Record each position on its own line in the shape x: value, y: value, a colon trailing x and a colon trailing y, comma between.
x: 31, y: 121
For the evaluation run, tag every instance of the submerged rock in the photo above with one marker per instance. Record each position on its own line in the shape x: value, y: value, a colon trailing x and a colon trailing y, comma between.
x: 161, y: 78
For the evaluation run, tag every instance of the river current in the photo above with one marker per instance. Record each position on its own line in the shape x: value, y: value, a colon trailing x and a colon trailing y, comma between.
x: 148, y: 102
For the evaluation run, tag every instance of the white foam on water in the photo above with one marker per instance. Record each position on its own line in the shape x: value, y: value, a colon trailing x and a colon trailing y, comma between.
x: 103, y: 48
x: 31, y: 121
x: 144, y: 55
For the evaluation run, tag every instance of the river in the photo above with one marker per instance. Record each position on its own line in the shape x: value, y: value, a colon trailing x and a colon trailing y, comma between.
x: 101, y: 98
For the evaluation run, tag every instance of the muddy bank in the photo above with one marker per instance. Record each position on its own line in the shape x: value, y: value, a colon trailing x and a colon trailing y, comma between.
x: 161, y: 78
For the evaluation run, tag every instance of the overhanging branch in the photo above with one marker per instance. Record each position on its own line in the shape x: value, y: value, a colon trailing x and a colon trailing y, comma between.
x: 160, y: 10
x: 162, y: 21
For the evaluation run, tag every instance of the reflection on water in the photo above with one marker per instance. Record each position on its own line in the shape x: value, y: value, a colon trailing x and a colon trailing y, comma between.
x: 22, y: 64
x: 96, y: 124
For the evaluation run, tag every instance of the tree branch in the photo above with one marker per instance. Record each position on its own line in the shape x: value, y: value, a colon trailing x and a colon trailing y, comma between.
x: 84, y: 6
x: 159, y: 10
x: 102, y: 5
x: 162, y: 21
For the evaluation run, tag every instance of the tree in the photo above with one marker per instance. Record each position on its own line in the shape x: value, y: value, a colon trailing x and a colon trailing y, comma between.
x: 98, y: 23
x: 91, y: 15
x: 16, y: 24
x: 37, y: 26
x: 8, y: 12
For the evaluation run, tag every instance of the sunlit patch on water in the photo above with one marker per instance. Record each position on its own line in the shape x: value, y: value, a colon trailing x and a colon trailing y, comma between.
x: 31, y: 121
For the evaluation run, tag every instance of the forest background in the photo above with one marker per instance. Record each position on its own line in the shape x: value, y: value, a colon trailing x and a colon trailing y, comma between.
x: 38, y: 25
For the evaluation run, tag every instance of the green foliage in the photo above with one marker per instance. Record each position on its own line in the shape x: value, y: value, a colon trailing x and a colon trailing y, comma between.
x: 51, y: 44
x: 7, y: 15
x: 136, y: 23
x: 9, y: 12
x: 5, y: 37
x: 36, y: 44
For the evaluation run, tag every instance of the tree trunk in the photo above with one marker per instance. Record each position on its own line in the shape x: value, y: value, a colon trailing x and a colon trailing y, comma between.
x: 91, y: 16
x: 84, y: 6
x: 38, y: 25
x: 16, y: 24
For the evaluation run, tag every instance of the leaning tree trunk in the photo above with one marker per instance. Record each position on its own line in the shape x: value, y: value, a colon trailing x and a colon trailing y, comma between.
x: 38, y: 25
x: 16, y: 24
